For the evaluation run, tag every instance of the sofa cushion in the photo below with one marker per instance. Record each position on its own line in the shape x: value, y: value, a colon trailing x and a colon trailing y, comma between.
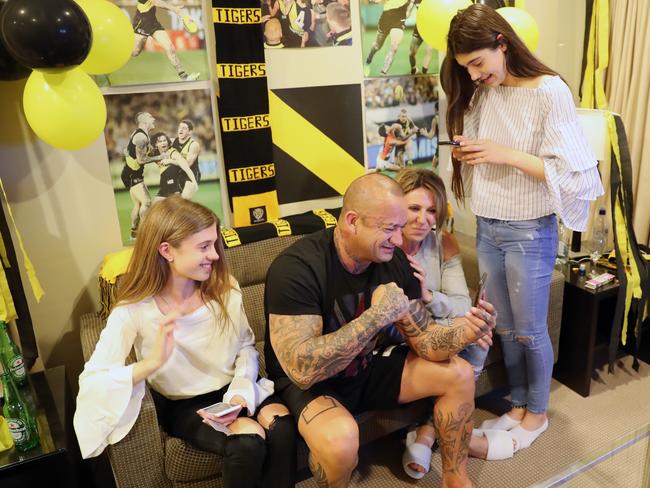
x: 184, y: 463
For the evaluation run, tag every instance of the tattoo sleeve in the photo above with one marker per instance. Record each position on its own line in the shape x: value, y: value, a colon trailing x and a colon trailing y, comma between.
x: 429, y: 340
x: 307, y: 356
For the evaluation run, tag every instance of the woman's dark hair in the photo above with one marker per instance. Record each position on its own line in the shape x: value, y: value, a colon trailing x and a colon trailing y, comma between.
x: 479, y: 27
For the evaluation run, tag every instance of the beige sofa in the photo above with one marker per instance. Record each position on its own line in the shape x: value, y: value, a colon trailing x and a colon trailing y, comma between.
x: 147, y: 457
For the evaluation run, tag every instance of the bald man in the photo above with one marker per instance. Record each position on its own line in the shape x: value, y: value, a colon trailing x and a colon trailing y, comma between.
x: 327, y: 299
x: 273, y: 34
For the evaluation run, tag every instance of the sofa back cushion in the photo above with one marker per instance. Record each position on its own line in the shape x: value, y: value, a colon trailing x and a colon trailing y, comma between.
x: 248, y: 263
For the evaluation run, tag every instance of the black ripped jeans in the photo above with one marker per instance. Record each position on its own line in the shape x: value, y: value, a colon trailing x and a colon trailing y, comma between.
x: 249, y: 461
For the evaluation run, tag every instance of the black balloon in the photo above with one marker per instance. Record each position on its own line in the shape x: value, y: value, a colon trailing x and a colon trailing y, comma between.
x: 10, y: 69
x: 44, y: 34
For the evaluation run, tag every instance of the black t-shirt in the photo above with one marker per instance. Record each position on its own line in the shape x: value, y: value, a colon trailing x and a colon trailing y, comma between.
x: 309, y: 279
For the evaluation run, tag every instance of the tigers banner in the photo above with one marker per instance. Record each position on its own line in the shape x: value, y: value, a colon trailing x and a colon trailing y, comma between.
x: 244, y: 111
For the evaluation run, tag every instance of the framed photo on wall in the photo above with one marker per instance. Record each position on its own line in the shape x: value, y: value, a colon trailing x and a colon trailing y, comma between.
x: 391, y: 43
x: 158, y: 144
x: 306, y: 23
x: 169, y: 43
x: 401, y: 122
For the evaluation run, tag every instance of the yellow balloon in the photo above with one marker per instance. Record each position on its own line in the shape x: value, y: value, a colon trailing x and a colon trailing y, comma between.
x: 523, y: 24
x: 433, y: 18
x: 66, y: 110
x: 113, y: 37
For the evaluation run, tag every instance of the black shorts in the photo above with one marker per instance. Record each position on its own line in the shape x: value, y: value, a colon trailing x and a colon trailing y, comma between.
x: 146, y: 23
x: 195, y: 170
x: 376, y: 387
x: 171, y: 181
x: 393, y: 19
x: 131, y: 177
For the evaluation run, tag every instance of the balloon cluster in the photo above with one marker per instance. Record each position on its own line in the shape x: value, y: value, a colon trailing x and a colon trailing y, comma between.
x: 434, y: 16
x: 63, y: 41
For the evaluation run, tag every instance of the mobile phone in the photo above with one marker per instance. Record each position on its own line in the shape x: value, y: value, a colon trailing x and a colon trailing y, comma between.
x: 449, y: 143
x: 220, y: 409
x: 481, y: 287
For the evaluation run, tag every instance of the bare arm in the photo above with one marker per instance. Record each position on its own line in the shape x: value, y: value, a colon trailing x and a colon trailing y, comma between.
x: 152, y: 159
x: 193, y: 153
x: 141, y: 143
x: 180, y: 161
x: 436, y: 342
x: 276, y: 6
x: 308, y: 357
x: 168, y: 6
x: 409, y: 8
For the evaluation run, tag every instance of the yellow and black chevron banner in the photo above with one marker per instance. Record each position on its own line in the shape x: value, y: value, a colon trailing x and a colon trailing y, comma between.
x: 317, y: 140
x: 244, y: 111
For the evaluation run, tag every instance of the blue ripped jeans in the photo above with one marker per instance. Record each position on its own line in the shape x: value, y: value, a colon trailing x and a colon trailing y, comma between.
x: 519, y: 257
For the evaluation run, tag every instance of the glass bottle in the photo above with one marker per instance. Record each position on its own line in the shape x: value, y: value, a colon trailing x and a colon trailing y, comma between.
x: 21, y: 422
x: 599, y: 237
x: 12, y: 359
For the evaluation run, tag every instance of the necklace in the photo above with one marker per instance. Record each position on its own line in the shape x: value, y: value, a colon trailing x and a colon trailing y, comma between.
x: 183, y: 307
x: 164, y: 300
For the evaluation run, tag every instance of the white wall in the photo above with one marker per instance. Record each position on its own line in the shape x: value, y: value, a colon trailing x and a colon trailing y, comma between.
x: 64, y: 208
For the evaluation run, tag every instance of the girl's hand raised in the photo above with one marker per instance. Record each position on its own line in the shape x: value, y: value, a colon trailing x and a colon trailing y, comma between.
x: 161, y: 351
x: 164, y: 344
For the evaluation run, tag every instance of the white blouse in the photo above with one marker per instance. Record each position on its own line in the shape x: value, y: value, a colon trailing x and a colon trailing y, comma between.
x: 541, y: 121
x: 209, y: 353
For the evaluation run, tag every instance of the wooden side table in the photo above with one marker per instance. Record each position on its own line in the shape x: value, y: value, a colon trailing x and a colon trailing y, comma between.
x: 587, y: 317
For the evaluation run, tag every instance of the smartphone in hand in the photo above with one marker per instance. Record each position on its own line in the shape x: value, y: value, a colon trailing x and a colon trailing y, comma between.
x: 481, y: 288
x: 449, y: 143
x: 220, y: 409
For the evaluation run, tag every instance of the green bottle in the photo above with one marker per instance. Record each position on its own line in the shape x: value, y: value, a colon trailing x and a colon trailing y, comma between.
x: 12, y: 360
x: 22, y: 425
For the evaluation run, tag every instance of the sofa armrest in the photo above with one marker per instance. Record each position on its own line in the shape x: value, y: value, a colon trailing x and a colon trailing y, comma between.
x: 138, y: 459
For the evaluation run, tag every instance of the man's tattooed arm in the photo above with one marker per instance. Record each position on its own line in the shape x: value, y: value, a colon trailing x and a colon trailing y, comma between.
x: 436, y: 342
x: 307, y: 356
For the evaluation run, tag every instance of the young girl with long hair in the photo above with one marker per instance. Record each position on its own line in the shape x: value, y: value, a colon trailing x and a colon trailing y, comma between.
x: 182, y: 311
x: 524, y: 157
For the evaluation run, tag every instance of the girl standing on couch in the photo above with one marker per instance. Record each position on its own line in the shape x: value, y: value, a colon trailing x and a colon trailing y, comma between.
x: 525, y: 160
x: 434, y: 255
x: 183, y: 312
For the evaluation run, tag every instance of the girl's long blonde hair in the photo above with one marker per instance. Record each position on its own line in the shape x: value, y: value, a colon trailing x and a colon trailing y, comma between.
x: 171, y: 220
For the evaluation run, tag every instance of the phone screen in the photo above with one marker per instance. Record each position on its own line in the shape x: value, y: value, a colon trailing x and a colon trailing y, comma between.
x: 221, y: 408
x: 449, y: 143
x: 479, y: 291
